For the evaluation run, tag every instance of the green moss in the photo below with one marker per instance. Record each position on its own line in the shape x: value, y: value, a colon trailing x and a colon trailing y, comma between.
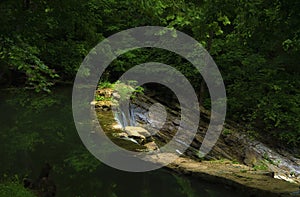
x: 260, y: 166
x: 102, y: 98
x: 105, y: 84
x: 235, y: 161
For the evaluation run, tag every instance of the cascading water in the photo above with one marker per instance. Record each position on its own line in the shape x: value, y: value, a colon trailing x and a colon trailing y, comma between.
x: 125, y: 116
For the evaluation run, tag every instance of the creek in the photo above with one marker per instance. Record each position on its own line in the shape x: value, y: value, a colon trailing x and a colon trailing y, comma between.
x: 39, y: 128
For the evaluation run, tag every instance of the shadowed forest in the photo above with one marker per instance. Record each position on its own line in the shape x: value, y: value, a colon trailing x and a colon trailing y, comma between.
x: 255, y: 44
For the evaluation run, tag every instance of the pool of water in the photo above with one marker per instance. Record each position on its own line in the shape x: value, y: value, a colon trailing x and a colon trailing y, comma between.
x: 39, y: 128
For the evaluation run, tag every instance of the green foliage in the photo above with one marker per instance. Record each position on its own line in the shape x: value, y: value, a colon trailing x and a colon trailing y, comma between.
x: 15, y: 189
x: 235, y: 162
x: 138, y: 90
x: 260, y: 75
x: 48, y: 40
x: 33, y: 102
x: 127, y: 90
x: 227, y: 132
x: 255, y: 44
x: 269, y: 160
x: 124, y: 90
x: 253, y: 135
x: 101, y: 98
x: 31, y: 121
x: 24, y: 58
x: 105, y: 84
x: 260, y: 166
x: 82, y: 161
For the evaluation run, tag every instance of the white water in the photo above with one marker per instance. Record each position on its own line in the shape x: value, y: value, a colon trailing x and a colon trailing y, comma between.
x: 124, y: 116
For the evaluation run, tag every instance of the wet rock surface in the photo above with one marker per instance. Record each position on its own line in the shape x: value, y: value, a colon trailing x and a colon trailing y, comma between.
x: 260, y: 168
x: 255, y: 183
x: 137, y: 132
x: 233, y: 144
x: 151, y: 146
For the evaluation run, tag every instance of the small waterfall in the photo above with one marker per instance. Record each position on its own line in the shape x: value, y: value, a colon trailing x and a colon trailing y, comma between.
x: 124, y: 116
x: 131, y: 116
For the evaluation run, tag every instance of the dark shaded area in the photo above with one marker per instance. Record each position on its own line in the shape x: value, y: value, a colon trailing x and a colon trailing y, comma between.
x: 40, y: 145
x: 255, y: 44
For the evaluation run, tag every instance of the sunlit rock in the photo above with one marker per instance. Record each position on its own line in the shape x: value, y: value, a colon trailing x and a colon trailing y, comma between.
x: 151, y: 146
x: 138, y: 133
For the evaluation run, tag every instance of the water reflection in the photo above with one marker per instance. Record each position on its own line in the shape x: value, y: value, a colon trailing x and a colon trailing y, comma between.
x: 39, y: 128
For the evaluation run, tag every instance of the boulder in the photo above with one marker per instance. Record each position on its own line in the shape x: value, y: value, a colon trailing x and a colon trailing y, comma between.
x: 151, y: 146
x: 138, y: 133
x: 121, y: 135
x: 116, y: 96
x: 105, y: 92
x: 103, y: 105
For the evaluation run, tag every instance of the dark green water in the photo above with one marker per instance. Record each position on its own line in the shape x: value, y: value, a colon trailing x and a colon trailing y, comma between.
x: 39, y: 128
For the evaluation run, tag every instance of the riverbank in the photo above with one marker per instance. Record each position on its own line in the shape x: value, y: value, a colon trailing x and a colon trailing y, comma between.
x: 229, y: 173
x: 235, y: 176
x: 226, y: 162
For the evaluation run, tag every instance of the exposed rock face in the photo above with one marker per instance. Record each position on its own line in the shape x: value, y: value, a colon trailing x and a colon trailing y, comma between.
x: 253, y: 182
x: 106, y: 103
x: 102, y: 105
x: 151, y: 146
x: 237, y: 176
x: 121, y: 135
x: 233, y: 144
x: 251, y: 157
x: 105, y: 92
